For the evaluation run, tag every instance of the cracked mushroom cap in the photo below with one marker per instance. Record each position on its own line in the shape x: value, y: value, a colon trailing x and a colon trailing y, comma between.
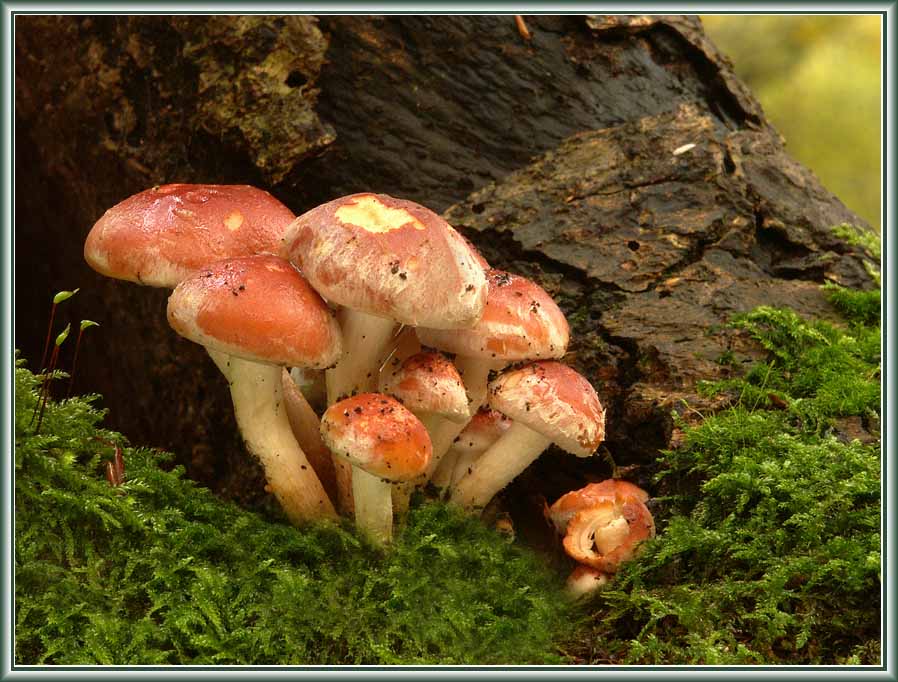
x: 484, y: 429
x: 570, y: 503
x: 608, y: 533
x: 162, y: 235
x: 553, y: 400
x: 258, y: 308
x: 520, y: 322
x: 428, y: 382
x: 376, y: 433
x: 390, y: 258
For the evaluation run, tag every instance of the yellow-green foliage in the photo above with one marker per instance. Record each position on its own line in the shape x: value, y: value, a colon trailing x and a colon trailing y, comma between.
x: 769, y: 550
x: 160, y: 571
x: 818, y: 79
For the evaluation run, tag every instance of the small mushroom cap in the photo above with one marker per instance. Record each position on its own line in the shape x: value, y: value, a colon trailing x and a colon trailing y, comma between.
x: 585, y: 580
x: 570, y: 503
x: 520, y: 322
x: 391, y: 258
x: 484, y: 429
x: 553, y: 400
x: 161, y: 235
x: 376, y: 433
x: 427, y: 382
x: 608, y: 533
x: 258, y: 308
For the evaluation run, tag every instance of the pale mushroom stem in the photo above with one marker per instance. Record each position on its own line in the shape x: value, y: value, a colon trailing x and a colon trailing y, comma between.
x: 442, y: 475
x: 402, y: 492
x: 443, y: 437
x: 498, y: 466
x: 305, y: 423
x: 256, y: 391
x: 463, y: 462
x: 475, y: 373
x: 365, y: 342
x: 373, y: 505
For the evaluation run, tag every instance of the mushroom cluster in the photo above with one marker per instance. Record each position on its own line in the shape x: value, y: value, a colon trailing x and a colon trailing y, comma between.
x: 436, y: 367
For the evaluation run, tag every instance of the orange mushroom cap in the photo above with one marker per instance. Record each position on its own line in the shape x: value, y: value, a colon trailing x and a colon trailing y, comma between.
x: 161, y: 235
x: 427, y: 382
x: 390, y: 258
x: 554, y: 400
x: 258, y: 308
x: 376, y: 433
x: 570, y: 503
x: 520, y: 322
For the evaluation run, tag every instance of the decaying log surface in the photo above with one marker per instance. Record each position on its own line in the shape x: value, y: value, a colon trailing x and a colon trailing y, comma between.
x: 617, y: 160
x: 653, y: 235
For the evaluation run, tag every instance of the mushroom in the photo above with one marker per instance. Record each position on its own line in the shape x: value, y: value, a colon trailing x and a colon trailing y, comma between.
x: 384, y: 260
x: 430, y: 387
x: 608, y: 532
x: 256, y: 315
x: 584, y: 580
x: 520, y: 322
x: 548, y: 403
x: 481, y: 432
x: 383, y: 442
x: 162, y: 235
x: 574, y: 501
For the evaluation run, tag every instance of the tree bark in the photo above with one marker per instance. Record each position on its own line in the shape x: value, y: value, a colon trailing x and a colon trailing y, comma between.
x: 616, y: 160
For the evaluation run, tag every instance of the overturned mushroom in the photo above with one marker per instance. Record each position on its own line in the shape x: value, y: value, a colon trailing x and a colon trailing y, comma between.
x: 254, y: 316
x: 548, y: 403
x: 608, y: 532
x: 384, y: 443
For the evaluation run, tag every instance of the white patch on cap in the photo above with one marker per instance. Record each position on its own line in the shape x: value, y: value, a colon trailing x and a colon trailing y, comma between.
x: 233, y: 221
x: 372, y: 215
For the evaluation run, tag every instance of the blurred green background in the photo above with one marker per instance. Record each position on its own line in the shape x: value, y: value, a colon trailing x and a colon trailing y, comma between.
x: 818, y: 79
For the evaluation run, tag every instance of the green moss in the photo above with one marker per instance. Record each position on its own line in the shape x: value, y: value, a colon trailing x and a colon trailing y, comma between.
x: 769, y: 547
x: 161, y: 571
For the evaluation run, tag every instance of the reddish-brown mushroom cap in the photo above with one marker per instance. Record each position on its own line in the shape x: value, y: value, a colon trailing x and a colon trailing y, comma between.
x: 484, y: 429
x: 376, y: 433
x: 520, y: 322
x: 258, y: 308
x: 390, y: 258
x: 608, y: 533
x: 162, y: 235
x: 427, y: 382
x: 553, y: 400
x: 576, y: 500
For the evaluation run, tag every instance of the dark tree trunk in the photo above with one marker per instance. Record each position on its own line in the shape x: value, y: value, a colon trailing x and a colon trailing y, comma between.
x: 617, y: 160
